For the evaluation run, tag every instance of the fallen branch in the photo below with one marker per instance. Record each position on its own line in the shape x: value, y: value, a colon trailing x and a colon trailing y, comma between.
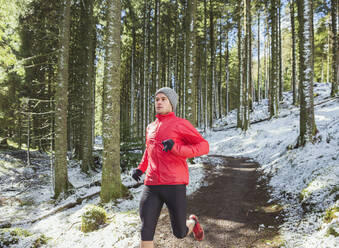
x: 95, y: 183
x: 71, y: 204
x: 98, y: 183
x: 227, y: 128
x: 327, y: 100
x: 59, y: 209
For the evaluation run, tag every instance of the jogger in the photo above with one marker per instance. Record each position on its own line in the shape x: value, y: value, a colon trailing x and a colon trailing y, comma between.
x: 170, y: 140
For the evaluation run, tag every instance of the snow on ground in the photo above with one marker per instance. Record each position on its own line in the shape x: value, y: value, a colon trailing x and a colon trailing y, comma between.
x: 123, y: 230
x: 63, y: 229
x: 305, y: 181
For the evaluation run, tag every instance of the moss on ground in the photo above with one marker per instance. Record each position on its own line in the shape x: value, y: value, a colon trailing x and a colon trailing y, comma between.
x: 93, y: 218
x: 331, y: 214
x: 332, y: 231
x: 12, y: 236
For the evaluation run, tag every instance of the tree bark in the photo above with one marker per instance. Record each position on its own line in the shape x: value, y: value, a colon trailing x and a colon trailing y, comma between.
x: 191, y: 63
x: 293, y: 79
x: 60, y: 166
x: 88, y: 67
x: 307, y: 123
x: 205, y: 66
x: 335, y: 47
x: 227, y: 75
x: 240, y: 69
x: 212, y: 82
x: 274, y: 68
x: 111, y: 179
x: 258, y: 95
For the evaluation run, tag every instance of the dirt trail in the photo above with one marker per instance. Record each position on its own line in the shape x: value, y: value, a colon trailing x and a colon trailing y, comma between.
x: 232, y: 209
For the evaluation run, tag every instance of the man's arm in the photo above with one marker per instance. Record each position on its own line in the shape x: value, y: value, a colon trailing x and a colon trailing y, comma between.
x: 144, y: 162
x: 195, y: 145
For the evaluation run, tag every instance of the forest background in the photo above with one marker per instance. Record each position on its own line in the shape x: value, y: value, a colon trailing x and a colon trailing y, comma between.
x: 74, y: 70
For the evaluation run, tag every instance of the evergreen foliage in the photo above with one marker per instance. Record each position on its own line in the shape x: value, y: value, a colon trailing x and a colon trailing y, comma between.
x: 218, y: 55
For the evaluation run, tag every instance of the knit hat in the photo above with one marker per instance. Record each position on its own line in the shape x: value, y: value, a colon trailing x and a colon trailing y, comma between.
x: 171, y: 95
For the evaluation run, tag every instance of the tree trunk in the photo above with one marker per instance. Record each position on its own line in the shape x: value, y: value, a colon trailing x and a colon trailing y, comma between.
x: 240, y: 70
x: 280, y: 79
x: 293, y: 79
x: 191, y: 63
x: 307, y: 123
x: 145, y: 77
x: 157, y: 43
x: 205, y: 66
x: 220, y: 108
x: 88, y: 67
x: 227, y: 75
x: 274, y: 68
x: 328, y: 54
x: 132, y: 92
x: 247, y: 65
x: 212, y: 82
x: 60, y: 166
x: 258, y: 96
x: 111, y: 179
x: 335, y: 47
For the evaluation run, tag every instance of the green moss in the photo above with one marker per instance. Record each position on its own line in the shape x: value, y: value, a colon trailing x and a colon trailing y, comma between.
x: 27, y: 202
x: 11, y: 236
x: 332, y: 231
x: 7, y: 238
x: 93, y: 218
x: 330, y: 214
x: 335, y: 191
x: 303, y: 195
x: 20, y: 232
x: 42, y: 240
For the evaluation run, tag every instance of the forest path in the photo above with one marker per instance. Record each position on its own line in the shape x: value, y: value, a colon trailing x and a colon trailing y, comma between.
x: 233, y: 209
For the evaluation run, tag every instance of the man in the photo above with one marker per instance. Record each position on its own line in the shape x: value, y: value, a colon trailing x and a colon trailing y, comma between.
x: 170, y: 140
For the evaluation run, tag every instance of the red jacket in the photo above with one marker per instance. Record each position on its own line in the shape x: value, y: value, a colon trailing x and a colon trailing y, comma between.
x: 170, y: 167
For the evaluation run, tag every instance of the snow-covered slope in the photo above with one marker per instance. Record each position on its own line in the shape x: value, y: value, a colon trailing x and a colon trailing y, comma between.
x: 305, y: 180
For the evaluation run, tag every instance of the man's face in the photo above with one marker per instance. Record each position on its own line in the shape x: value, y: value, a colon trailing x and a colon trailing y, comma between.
x: 162, y: 104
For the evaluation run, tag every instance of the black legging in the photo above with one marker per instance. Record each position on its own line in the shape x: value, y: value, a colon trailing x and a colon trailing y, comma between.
x: 152, y: 200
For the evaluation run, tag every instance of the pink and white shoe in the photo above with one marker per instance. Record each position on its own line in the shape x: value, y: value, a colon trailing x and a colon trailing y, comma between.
x: 198, y: 231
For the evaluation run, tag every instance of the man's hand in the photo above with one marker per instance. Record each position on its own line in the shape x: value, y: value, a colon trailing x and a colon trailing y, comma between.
x: 136, y: 174
x: 168, y: 144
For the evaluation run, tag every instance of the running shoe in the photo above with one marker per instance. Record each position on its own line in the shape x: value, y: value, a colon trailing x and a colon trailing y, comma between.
x: 197, y: 229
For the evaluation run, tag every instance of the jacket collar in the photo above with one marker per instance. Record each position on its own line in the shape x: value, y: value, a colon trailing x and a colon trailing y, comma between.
x: 166, y: 116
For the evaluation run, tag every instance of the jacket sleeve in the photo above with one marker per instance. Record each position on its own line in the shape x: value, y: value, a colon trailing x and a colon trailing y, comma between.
x: 144, y: 162
x: 194, y: 144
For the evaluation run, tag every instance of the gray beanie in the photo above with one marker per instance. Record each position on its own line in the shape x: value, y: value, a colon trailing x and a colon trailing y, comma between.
x: 171, y: 95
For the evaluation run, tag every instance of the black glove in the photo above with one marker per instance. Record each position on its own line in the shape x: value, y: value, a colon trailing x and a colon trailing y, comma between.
x: 168, y: 144
x: 136, y: 174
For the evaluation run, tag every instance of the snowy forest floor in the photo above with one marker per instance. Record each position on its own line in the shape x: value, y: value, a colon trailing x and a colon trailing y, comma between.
x: 233, y: 209
x: 302, y: 183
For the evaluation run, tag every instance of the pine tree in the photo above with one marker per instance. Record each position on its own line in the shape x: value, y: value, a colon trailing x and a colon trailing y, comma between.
x: 60, y: 166
x: 88, y: 68
x: 191, y: 63
x: 111, y: 187
x: 293, y: 56
x: 308, y: 128
x: 274, y: 68
x: 240, y: 101
x: 335, y: 47
x: 246, y: 66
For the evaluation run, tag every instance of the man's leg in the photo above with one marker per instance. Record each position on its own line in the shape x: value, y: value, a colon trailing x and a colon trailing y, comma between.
x: 150, y: 208
x: 175, y: 199
x: 147, y: 244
